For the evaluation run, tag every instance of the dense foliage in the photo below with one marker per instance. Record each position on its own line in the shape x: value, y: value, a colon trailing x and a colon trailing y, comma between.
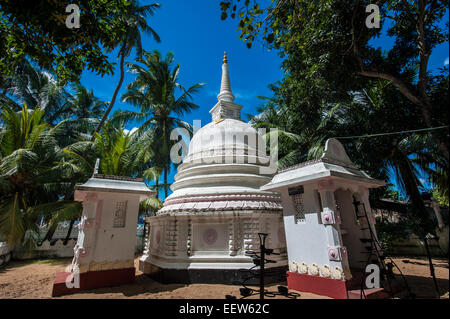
x: 338, y: 83
x: 50, y: 125
x: 329, y: 50
x: 37, y: 30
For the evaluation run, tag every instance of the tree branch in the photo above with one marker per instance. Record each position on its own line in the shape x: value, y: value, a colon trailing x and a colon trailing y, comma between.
x: 408, y: 11
x: 423, y: 53
x: 398, y: 83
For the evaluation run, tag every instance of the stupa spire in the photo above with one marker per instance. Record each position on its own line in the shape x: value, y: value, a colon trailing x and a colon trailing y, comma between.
x: 225, y: 87
x: 225, y: 108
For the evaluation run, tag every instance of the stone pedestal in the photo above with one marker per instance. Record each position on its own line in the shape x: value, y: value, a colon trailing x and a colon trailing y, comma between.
x: 210, y: 247
x: 104, y: 253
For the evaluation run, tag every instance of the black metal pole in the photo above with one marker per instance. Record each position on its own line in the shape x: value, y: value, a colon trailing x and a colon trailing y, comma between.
x: 262, y: 240
x: 430, y: 261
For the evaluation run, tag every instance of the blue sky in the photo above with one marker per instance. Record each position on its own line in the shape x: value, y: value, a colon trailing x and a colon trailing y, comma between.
x: 194, y: 32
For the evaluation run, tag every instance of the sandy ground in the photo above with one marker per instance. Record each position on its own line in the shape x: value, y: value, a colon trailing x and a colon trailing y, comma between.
x: 33, y: 279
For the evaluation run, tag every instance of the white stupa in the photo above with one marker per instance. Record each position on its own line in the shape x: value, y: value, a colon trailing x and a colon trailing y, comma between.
x: 216, y: 209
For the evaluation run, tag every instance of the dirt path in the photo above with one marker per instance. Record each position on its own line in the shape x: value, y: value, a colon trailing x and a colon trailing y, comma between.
x: 33, y: 279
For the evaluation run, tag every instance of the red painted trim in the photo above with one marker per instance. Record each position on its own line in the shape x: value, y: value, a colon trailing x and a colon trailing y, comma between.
x: 317, y: 285
x: 93, y: 279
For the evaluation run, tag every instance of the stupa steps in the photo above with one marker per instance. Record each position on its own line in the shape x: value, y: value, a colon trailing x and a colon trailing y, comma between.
x: 233, y: 168
x: 224, y: 159
x: 210, y: 180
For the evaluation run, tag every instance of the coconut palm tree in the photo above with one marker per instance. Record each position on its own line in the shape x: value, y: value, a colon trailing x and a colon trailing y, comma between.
x: 30, y: 177
x: 85, y: 111
x: 134, y: 22
x: 117, y: 151
x: 125, y: 153
x: 271, y: 116
x: 153, y: 174
x: 37, y: 89
x: 154, y: 92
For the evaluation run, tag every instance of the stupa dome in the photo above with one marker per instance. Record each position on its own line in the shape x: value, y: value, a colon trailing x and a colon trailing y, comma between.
x: 225, y: 166
x: 227, y: 134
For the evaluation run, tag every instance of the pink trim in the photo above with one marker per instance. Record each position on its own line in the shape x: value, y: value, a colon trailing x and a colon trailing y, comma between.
x: 220, y: 199
x: 92, y: 280
x: 91, y: 196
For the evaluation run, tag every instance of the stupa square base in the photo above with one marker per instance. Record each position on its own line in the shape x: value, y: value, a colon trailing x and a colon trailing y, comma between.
x: 211, y: 276
x: 93, y: 279
x: 317, y: 285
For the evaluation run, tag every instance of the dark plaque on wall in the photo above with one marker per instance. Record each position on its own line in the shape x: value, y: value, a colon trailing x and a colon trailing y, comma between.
x: 295, y: 190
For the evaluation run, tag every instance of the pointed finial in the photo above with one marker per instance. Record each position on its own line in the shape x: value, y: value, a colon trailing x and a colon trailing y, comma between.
x: 225, y: 87
x: 225, y: 108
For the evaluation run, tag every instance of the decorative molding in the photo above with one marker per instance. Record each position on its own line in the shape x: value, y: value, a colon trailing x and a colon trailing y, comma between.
x: 232, y: 239
x: 337, y: 253
x: 170, y: 236
x: 222, y: 197
x: 325, y: 271
x: 297, y: 202
x: 293, y: 266
x: 313, y: 269
x: 189, y: 238
x: 337, y: 273
x: 303, y: 268
x: 327, y: 217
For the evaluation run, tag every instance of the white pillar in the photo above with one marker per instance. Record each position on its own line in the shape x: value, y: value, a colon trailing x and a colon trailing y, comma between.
x: 331, y: 219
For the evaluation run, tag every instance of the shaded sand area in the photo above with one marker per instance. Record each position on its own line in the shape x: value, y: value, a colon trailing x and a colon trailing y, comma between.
x: 33, y: 279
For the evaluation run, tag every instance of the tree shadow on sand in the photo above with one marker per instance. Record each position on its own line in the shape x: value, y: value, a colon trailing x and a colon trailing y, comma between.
x: 142, y: 285
x: 423, y: 287
x: 425, y: 263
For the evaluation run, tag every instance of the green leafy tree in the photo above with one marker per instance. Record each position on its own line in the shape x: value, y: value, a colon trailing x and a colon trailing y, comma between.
x: 84, y: 110
x: 134, y: 22
x: 125, y: 153
x: 29, y: 179
x: 37, y: 89
x: 330, y: 40
x: 153, y: 174
x: 154, y: 92
x: 80, y: 109
x: 117, y: 151
x: 37, y: 30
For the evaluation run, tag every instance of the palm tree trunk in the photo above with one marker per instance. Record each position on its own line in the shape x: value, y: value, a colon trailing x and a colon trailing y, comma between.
x: 157, y: 187
x: 116, y: 91
x: 49, y: 235
x: 410, y: 182
x: 68, y: 232
x: 165, y: 180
